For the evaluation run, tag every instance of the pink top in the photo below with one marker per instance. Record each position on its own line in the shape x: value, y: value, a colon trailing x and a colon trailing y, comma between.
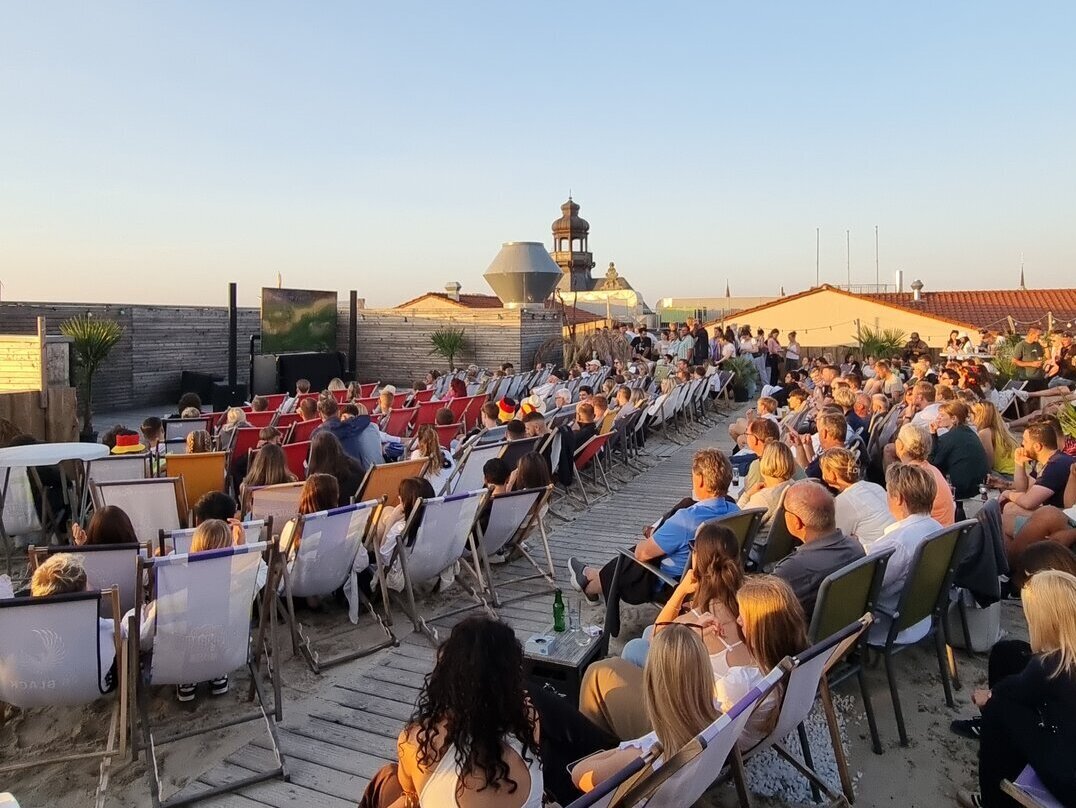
x: 944, y: 508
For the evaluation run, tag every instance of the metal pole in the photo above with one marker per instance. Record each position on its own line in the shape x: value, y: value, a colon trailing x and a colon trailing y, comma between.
x: 877, y: 272
x: 816, y: 253
x: 848, y: 255
x: 233, y: 336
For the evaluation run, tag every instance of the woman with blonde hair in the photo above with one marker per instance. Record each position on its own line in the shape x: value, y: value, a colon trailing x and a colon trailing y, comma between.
x: 234, y: 419
x: 777, y: 465
x: 269, y: 467
x: 1028, y: 716
x: 861, y: 507
x: 996, y: 438
x: 678, y: 697
x: 336, y: 384
x: 199, y: 442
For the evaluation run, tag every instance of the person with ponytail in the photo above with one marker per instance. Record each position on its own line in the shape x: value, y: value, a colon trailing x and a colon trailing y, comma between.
x: 706, y: 594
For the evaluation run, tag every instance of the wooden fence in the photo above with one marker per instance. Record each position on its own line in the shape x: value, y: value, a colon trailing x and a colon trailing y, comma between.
x: 48, y: 412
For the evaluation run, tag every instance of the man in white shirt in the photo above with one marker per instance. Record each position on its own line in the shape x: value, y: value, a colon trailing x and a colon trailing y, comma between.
x: 544, y: 391
x: 910, y: 492
x: 926, y: 409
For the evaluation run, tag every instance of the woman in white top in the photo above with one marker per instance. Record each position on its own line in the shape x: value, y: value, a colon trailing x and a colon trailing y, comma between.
x: 777, y: 465
x: 862, y: 507
x: 473, y: 740
x: 441, y: 463
x: 679, y: 698
x: 792, y: 352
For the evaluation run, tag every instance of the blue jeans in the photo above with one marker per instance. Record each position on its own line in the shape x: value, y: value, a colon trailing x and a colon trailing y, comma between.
x: 1057, y: 381
x: 635, y: 651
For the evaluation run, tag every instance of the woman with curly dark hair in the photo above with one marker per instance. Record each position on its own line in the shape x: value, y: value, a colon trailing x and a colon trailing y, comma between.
x: 473, y: 739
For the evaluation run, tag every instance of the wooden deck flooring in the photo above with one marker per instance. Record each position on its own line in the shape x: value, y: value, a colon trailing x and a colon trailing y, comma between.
x: 335, y: 741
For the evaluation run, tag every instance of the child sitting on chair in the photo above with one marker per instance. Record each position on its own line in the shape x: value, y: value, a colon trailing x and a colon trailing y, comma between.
x: 153, y: 436
x: 63, y: 574
x: 392, y: 526
x: 212, y: 534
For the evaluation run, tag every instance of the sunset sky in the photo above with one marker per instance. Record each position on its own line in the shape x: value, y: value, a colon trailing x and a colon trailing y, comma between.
x: 151, y: 152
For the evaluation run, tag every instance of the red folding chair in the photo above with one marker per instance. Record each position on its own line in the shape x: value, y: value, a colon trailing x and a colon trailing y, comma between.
x: 302, y: 431
x: 275, y: 400
x: 340, y: 396
x: 458, y: 406
x: 427, y: 412
x: 586, y: 460
x: 257, y: 420
x: 296, y: 455
x: 246, y: 438
x: 370, y: 402
x: 303, y: 397
x: 284, y: 422
x: 446, y: 433
x: 473, y: 413
x: 215, y: 420
x: 367, y: 390
x: 398, y: 421
x: 422, y: 396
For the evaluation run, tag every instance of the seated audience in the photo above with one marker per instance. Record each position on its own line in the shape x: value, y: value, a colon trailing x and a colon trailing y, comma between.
x: 532, y: 471
x: 109, y: 525
x: 234, y: 420
x: 585, y: 428
x: 269, y: 467
x: 957, y: 452
x: 668, y: 542
x: 259, y: 404
x: 473, y: 739
x: 998, y: 442
x: 911, y: 491
x: 861, y: 507
x: 308, y: 409
x: 441, y: 465
x: 302, y: 387
x: 186, y: 402
x: 913, y: 445
x: 327, y: 456
x: 773, y: 626
x: 810, y: 516
x: 153, y: 437
x: 358, y: 436
x: 214, y: 505
x: 515, y: 430
x: 832, y: 433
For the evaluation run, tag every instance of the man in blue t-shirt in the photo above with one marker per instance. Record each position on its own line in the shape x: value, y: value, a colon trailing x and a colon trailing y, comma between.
x: 1028, y: 493
x: 666, y: 543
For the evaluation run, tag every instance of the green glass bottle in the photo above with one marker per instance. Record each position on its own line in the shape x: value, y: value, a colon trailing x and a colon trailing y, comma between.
x: 558, y: 611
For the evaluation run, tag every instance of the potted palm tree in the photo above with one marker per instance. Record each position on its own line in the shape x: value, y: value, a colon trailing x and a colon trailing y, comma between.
x: 91, y: 341
x: 745, y: 381
x: 448, y: 342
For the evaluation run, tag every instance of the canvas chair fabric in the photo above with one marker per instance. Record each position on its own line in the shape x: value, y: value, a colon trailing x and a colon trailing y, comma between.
x: 118, y: 467
x: 179, y: 541
x: 176, y: 430
x: 383, y: 479
x: 602, y: 795
x: 515, y: 450
x: 446, y: 433
x: 277, y: 502
x: 745, y: 525
x: 468, y: 475
x: 152, y: 505
x: 200, y: 473
x: 442, y: 534
x: 243, y: 440
x: 260, y: 420
x: 303, y: 431
x: 398, y: 421
x: 329, y: 542
x: 427, y: 412
x: 107, y: 565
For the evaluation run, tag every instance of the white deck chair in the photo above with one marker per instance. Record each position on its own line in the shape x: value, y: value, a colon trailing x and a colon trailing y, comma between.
x: 442, y: 529
x: 107, y: 565
x: 468, y: 474
x: 512, y: 517
x: 176, y: 431
x: 277, y: 502
x: 18, y: 513
x: 54, y: 652
x: 152, y: 505
x: 686, y: 776
x: 493, y: 435
x: 328, y: 544
x: 114, y: 468
x: 806, y: 680
x: 204, y: 604
x: 179, y: 541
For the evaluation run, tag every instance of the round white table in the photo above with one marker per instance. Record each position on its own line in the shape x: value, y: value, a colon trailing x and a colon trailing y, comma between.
x: 44, y: 454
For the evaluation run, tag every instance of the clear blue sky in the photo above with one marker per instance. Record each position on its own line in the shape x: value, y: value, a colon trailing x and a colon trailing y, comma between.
x: 150, y: 152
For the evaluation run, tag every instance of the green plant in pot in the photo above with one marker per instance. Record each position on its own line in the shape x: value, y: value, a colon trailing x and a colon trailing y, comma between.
x: 881, y: 343
x: 448, y: 342
x: 91, y: 341
x: 746, y: 380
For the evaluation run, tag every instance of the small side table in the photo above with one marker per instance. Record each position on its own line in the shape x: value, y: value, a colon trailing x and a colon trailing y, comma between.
x: 565, y: 662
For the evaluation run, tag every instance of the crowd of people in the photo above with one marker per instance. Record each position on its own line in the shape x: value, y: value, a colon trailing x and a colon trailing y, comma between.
x: 858, y: 458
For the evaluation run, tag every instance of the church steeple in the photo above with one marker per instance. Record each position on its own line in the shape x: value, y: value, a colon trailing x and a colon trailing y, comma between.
x: 570, y: 250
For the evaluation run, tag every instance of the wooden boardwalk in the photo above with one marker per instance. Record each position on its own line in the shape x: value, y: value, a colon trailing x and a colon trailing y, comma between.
x: 335, y: 740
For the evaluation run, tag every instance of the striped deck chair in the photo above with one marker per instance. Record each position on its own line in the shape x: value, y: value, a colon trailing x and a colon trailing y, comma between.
x: 689, y: 773
x: 55, y: 652
x: 320, y: 553
x: 179, y: 541
x: 468, y: 474
x: 204, y: 604
x: 442, y: 528
x: 152, y: 505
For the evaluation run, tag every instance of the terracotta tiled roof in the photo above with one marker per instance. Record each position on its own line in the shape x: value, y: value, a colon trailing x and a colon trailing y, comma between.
x: 971, y: 308
x: 466, y: 301
x: 987, y: 308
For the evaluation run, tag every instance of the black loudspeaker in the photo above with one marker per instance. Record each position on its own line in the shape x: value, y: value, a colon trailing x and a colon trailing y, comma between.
x: 193, y: 381
x: 266, y: 376
x: 228, y: 395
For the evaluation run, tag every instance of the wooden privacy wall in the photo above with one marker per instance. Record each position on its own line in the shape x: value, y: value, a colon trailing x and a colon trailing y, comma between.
x: 51, y: 417
x: 23, y: 365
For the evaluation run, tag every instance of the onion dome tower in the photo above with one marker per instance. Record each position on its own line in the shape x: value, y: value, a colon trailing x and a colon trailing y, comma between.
x: 570, y: 249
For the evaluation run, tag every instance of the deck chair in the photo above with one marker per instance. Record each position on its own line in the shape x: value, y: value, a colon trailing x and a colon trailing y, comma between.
x: 295, y: 457
x: 512, y: 517
x: 51, y: 655
x: 602, y: 795
x: 280, y: 503
x: 587, y: 463
x: 115, y: 467
x: 285, y: 421
x: 200, y: 473
x: 398, y: 421
x: 328, y: 544
x: 383, y: 479
x: 850, y: 591
x: 471, y: 416
x: 243, y: 440
x: 367, y: 389
x: 427, y: 412
x: 515, y: 450
x: 152, y: 505
x: 495, y: 435
x: 371, y: 402
x: 260, y: 420
x: 744, y: 525
x: 446, y: 433
x: 176, y: 430
x: 422, y: 396
x: 806, y: 681
x: 468, y: 474
x: 779, y: 543
x: 303, y: 431
x: 442, y: 528
x: 204, y: 608
x: 926, y: 594
x: 179, y: 541
x: 1029, y: 791
x: 107, y: 566
x: 690, y: 772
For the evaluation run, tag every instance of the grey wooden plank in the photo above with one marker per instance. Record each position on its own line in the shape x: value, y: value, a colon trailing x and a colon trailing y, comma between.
x: 274, y: 792
x: 220, y: 801
x: 366, y: 722
x: 315, y: 775
x: 307, y: 749
x: 407, y: 663
x: 380, y: 744
x: 371, y: 703
x: 384, y: 690
x: 397, y: 676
